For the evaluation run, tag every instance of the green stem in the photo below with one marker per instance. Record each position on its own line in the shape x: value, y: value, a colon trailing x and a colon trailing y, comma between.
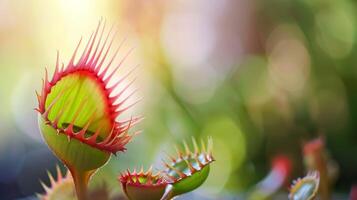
x: 81, y: 179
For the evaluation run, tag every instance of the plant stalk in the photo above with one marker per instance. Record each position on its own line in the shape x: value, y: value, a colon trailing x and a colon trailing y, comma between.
x: 81, y: 179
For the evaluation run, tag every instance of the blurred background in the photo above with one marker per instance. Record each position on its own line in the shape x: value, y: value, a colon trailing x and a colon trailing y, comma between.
x: 260, y: 77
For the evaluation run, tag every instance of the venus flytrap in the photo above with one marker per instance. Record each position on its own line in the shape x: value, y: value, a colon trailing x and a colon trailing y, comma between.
x: 78, y: 110
x: 305, y: 188
x: 317, y: 157
x: 61, y: 187
x: 189, y: 169
x: 182, y: 174
x: 143, y: 185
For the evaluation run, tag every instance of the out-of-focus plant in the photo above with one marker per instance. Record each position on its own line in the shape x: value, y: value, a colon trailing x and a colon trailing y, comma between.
x: 62, y: 188
x: 78, y: 110
x: 317, y: 158
x: 305, y: 188
x: 182, y: 174
x: 278, y: 175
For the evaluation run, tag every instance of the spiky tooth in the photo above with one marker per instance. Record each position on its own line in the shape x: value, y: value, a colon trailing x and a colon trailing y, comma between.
x: 135, y: 175
x: 40, y: 108
x: 39, y: 97
x: 207, y: 158
x: 115, y: 141
x: 115, y: 148
x: 60, y: 113
x: 149, y: 171
x: 62, y: 68
x: 122, y: 174
x: 125, y: 140
x: 203, y: 146
x: 56, y: 120
x: 108, y: 138
x: 199, y: 163
x: 136, y: 133
x: 45, y: 187
x: 178, y: 152
x: 55, y: 100
x: 52, y: 180
x: 111, y: 89
x: 81, y: 133
x: 130, y: 177
x: 123, y: 127
x: 192, y: 169
x: 95, y: 61
x: 77, y: 112
x: 107, y: 79
x: 137, y: 181
x: 187, y: 149
x: 85, y: 60
x: 141, y: 170
x: 71, y: 61
x: 210, y: 146
x: 59, y: 174
x: 93, y: 139
x: 211, y: 158
x: 116, y: 106
x: 126, y: 128
x: 99, y: 66
x: 104, y: 72
x: 55, y: 74
x: 69, y: 131
x: 171, y: 158
x: 132, y: 119
x: 118, y: 112
x: 113, y: 144
x: 158, y: 174
x: 90, y: 62
x: 80, y: 61
x: 47, y: 83
x: 39, y: 196
x: 43, y: 92
x: 195, y: 146
x: 149, y: 179
x: 180, y: 173
x: 165, y: 163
